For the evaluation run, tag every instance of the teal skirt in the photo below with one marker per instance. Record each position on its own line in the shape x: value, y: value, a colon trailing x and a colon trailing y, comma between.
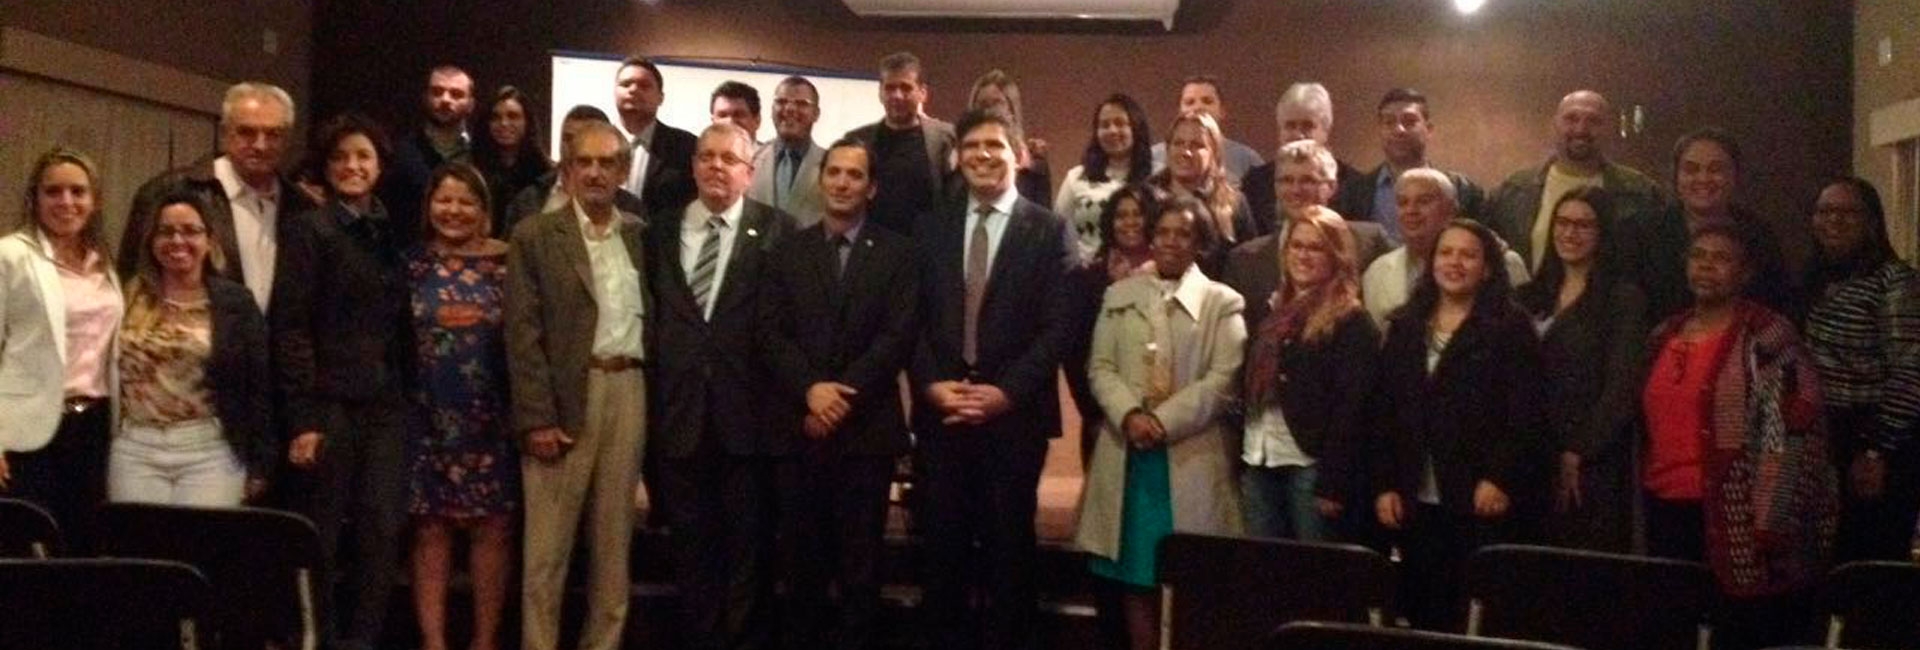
x: 1146, y: 516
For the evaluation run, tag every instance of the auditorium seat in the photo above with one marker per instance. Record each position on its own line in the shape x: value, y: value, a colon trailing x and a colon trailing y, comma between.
x: 1599, y: 601
x: 97, y: 604
x: 1315, y: 635
x: 27, y: 530
x: 261, y: 564
x: 1227, y: 593
x: 1872, y: 605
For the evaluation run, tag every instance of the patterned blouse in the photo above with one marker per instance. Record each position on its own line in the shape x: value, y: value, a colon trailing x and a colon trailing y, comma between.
x: 163, y: 366
x: 1864, y: 333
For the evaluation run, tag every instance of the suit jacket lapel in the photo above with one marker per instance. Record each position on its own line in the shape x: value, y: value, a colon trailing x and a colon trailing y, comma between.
x: 1012, y: 242
x: 750, y: 233
x: 573, y: 249
x: 666, y: 238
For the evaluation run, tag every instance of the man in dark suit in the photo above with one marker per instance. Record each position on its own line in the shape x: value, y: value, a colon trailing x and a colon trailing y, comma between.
x: 912, y: 150
x: 241, y: 188
x: 837, y: 331
x: 710, y: 386
x: 577, y: 302
x: 662, y: 174
x: 1304, y: 112
x: 1405, y: 126
x: 995, y: 323
x: 442, y: 138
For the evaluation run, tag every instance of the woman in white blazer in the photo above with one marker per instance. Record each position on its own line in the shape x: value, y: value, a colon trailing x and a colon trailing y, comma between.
x: 60, y: 309
x: 1166, y: 352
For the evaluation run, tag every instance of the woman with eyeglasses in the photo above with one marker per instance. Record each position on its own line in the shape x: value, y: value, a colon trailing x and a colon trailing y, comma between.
x: 194, y: 379
x: 1735, y: 468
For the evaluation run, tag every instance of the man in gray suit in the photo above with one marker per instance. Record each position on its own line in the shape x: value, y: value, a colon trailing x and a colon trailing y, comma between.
x: 576, y: 305
x: 787, y: 171
x: 912, y: 152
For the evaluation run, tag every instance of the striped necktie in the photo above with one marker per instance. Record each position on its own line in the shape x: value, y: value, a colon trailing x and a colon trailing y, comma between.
x: 706, y: 266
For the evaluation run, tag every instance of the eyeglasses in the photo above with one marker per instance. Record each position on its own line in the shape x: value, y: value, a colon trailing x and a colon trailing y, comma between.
x: 183, y: 232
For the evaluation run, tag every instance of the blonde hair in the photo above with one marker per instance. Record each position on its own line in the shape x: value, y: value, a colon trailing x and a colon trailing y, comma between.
x: 91, y: 234
x: 1221, y: 196
x: 1330, y: 303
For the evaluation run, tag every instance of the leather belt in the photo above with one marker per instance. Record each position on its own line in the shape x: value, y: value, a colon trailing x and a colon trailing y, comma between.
x: 81, y: 404
x: 613, y: 364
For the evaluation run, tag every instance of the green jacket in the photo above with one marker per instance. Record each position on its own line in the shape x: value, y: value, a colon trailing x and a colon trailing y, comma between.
x: 1513, y: 206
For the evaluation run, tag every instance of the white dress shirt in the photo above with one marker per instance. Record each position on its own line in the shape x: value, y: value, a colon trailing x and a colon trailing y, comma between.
x: 693, y: 234
x: 617, y: 328
x: 256, y: 219
x: 642, y: 152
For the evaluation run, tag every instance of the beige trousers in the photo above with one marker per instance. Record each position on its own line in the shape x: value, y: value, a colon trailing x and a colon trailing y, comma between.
x: 597, y: 475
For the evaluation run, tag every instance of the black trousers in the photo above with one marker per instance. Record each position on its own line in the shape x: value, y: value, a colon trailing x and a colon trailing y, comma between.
x: 1678, y: 530
x: 359, y: 488
x: 1434, y: 548
x: 833, y: 521
x: 717, y: 511
x: 1876, y: 528
x: 68, y: 476
x: 980, y: 487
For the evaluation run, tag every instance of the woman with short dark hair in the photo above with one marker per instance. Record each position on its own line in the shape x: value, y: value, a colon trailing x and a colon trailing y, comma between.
x: 1736, y: 467
x: 342, y: 357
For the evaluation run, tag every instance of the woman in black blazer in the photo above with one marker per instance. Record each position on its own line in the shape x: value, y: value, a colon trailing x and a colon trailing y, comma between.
x: 194, y: 381
x: 1593, y: 330
x: 1459, y: 420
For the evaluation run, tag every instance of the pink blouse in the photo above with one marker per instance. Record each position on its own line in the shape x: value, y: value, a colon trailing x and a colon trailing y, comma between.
x: 93, y: 314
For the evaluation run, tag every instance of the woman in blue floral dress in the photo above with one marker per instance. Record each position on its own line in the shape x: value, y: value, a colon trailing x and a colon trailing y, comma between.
x: 463, y: 471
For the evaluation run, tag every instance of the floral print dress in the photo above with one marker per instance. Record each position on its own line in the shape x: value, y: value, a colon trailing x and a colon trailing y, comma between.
x: 462, y: 463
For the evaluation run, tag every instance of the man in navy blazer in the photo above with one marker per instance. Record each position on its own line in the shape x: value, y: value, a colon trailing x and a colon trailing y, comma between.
x: 994, y: 327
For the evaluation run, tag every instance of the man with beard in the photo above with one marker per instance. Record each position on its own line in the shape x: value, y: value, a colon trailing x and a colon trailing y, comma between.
x: 912, y: 150
x: 1521, y: 209
x: 441, y: 139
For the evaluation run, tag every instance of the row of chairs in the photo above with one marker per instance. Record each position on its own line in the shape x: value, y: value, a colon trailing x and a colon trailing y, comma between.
x: 167, y: 577
x: 1230, y: 592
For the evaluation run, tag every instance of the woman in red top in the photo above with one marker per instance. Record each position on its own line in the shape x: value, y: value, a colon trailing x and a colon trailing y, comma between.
x: 1735, y: 465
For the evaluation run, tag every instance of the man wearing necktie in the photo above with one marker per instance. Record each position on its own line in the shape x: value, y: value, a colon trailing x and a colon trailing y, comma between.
x: 994, y: 326
x: 837, y: 331
x: 787, y: 170
x: 709, y: 389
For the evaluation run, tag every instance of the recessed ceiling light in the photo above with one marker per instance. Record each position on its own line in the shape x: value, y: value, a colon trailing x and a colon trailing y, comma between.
x: 1468, y: 6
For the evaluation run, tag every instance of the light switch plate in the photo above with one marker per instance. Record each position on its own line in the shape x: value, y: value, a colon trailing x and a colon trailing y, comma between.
x: 1886, y: 51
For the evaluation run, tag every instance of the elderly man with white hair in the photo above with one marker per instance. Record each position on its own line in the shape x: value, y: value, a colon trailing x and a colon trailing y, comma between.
x: 1304, y: 112
x: 240, y: 187
x: 1427, y: 200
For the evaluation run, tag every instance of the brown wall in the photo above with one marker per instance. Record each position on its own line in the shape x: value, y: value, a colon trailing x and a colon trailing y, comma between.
x: 1876, y: 86
x: 1773, y: 73
x: 218, y: 39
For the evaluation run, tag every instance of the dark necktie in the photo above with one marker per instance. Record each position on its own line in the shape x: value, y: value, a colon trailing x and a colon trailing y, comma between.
x: 976, y: 284
x: 842, y: 248
x: 706, y: 266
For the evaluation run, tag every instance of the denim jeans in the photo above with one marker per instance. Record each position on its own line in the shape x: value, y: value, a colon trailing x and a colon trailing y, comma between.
x: 1279, y: 502
x: 187, y: 464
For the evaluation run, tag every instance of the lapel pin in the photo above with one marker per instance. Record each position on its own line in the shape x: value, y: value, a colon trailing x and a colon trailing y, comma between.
x: 753, y: 233
x: 869, y: 243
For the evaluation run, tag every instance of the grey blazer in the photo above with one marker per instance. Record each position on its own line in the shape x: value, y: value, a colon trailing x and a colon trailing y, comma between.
x: 551, y: 314
x: 804, y: 201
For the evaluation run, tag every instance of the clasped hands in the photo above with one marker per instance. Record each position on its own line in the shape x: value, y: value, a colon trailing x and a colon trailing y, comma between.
x: 964, y: 402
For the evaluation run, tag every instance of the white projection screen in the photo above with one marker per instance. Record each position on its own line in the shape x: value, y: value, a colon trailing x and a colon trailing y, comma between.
x: 847, y: 99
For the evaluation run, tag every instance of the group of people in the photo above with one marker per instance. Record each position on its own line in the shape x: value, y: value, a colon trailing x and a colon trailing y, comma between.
x: 451, y: 333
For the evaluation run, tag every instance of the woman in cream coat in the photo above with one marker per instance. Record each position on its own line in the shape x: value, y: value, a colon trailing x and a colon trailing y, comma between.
x: 60, y: 309
x: 1166, y: 350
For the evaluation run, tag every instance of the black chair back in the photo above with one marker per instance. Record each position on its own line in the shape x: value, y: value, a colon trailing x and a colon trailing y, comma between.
x: 27, y: 530
x: 1315, y: 635
x: 102, y: 603
x: 262, y: 563
x: 1226, y: 593
x: 1599, y: 601
x: 1872, y: 605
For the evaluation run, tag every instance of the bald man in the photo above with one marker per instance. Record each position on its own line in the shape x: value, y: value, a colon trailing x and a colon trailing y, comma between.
x: 1584, y: 123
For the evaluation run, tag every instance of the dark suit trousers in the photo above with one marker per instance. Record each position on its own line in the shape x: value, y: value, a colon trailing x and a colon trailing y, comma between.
x: 833, y: 519
x: 68, y: 476
x: 981, y: 487
x: 361, y: 481
x: 716, y: 508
